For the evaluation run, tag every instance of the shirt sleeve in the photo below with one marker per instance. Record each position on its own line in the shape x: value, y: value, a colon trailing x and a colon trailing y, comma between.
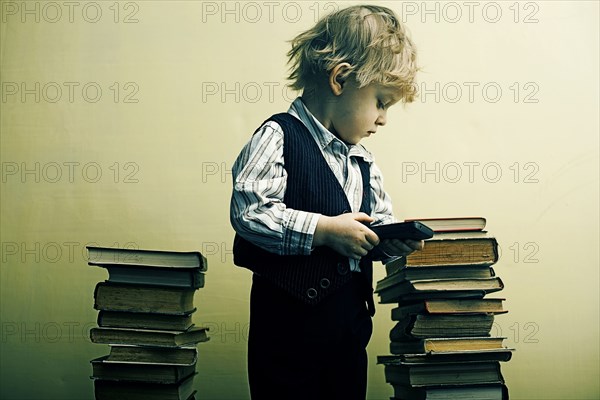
x: 381, y: 209
x: 257, y: 210
x: 381, y: 203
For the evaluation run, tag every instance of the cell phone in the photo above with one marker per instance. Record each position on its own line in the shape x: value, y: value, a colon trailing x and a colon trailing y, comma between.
x: 412, y: 230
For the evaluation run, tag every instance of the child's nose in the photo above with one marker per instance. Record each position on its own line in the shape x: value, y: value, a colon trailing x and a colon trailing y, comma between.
x: 381, y: 119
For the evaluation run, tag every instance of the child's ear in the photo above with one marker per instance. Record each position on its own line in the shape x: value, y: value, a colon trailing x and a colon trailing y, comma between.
x: 337, y: 78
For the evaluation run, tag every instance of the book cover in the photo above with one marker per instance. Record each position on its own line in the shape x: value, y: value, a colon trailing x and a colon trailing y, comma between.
x: 150, y: 258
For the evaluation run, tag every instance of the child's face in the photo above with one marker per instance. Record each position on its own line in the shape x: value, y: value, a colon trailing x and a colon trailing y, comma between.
x: 359, y: 112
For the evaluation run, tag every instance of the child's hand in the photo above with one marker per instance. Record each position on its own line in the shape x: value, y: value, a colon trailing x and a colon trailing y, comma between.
x: 396, y: 247
x: 346, y: 234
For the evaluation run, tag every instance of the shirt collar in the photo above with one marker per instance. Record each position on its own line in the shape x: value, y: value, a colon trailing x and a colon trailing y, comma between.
x: 322, y: 135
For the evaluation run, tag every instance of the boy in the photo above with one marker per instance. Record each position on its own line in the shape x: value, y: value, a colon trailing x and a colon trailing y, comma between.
x: 304, y: 194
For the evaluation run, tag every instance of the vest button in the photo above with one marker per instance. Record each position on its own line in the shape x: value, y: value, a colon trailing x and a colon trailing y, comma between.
x: 311, y: 293
x: 342, y: 268
x: 325, y: 283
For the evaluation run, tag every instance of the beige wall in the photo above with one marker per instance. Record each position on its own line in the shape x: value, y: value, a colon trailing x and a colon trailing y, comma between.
x: 507, y: 128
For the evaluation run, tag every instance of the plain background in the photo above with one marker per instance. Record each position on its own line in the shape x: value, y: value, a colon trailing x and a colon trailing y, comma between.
x: 120, y: 122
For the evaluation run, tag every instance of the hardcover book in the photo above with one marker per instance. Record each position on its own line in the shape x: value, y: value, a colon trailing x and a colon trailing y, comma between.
x: 111, y: 390
x: 450, y: 306
x: 450, y: 344
x: 182, y: 356
x: 145, y: 337
x: 474, y: 392
x: 440, y: 357
x: 154, y: 373
x: 439, y: 288
x: 441, y: 325
x: 416, y: 375
x: 101, y: 256
x: 143, y: 299
x: 123, y: 319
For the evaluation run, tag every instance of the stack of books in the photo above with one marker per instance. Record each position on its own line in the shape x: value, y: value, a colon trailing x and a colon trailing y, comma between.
x: 145, y: 315
x: 441, y: 345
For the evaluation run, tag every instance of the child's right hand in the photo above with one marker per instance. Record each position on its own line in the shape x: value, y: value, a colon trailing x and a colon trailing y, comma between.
x: 346, y: 234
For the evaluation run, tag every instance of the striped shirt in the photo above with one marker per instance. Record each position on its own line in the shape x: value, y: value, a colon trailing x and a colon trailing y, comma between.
x: 258, y: 213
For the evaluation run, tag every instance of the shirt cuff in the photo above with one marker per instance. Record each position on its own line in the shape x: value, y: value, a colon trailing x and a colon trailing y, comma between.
x: 298, y: 233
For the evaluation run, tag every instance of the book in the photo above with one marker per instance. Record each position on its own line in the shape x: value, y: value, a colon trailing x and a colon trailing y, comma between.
x: 123, y: 319
x: 443, y: 374
x: 144, y: 299
x: 450, y: 306
x: 501, y: 354
x: 441, y: 325
x: 449, y: 344
x: 183, y: 356
x: 156, y: 373
x: 452, y: 224
x: 161, y: 276
x: 439, y: 288
x: 455, y: 249
x: 111, y: 390
x: 100, y: 256
x: 145, y: 337
x: 441, y: 272
x: 463, y: 392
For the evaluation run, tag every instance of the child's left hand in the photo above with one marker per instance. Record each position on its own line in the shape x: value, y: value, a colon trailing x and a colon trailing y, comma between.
x: 396, y: 247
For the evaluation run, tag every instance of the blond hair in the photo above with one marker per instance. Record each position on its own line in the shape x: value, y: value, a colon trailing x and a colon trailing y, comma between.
x: 370, y: 38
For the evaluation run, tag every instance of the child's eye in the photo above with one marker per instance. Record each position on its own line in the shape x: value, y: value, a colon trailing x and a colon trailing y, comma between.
x: 380, y: 104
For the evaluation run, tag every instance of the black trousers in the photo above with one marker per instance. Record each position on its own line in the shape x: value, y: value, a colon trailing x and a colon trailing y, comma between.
x: 298, y: 351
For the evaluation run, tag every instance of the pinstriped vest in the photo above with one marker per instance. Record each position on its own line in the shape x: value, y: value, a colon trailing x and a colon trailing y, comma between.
x: 311, y: 187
